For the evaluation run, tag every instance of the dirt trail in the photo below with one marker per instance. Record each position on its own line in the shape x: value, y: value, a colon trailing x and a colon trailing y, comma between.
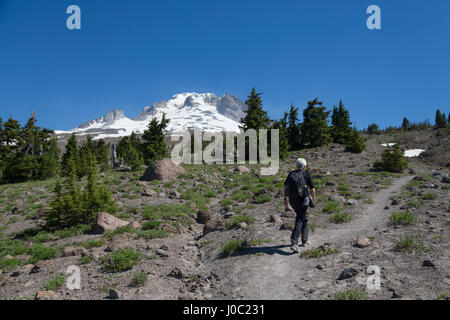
x: 274, y: 275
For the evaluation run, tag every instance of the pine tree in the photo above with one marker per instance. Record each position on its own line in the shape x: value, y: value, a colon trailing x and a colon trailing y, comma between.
x: 355, y: 142
x: 341, y: 125
x: 50, y: 160
x: 448, y: 119
x: 70, y: 158
x: 26, y: 152
x: 373, y: 129
x: 293, y: 129
x: 440, y: 120
x: 72, y: 207
x: 281, y: 125
x: 128, y: 149
x: 405, y: 125
x: 154, y: 146
x: 392, y: 160
x: 256, y: 118
x: 314, y: 130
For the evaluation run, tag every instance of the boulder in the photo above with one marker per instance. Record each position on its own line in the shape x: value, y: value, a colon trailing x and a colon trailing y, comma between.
x: 149, y: 193
x: 243, y: 225
x: 351, y: 202
x: 362, y: 242
x: 213, y: 225
x: 243, y: 169
x: 114, y: 294
x: 105, y: 221
x: 136, y: 225
x: 348, y: 273
x: 275, y: 218
x: 176, y: 273
x: 203, y: 216
x: 174, y: 194
x: 228, y: 215
x: 445, y: 180
x: 118, y: 243
x: 428, y: 263
x: 162, y: 253
x: 23, y: 270
x: 163, y: 170
x: 72, y: 251
x: 44, y: 295
x: 287, y: 225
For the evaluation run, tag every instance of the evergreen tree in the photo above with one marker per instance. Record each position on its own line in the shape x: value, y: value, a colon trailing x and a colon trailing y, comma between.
x: 154, y: 146
x: 373, y: 129
x: 283, y: 136
x: 355, y: 142
x: 128, y: 149
x: 405, y: 125
x: 293, y: 129
x: 341, y: 125
x: 440, y: 120
x: 314, y: 130
x: 448, y: 119
x: 50, y: 160
x: 70, y: 159
x: 392, y: 160
x: 256, y: 118
x: 102, y: 154
x: 71, y: 206
x: 27, y: 153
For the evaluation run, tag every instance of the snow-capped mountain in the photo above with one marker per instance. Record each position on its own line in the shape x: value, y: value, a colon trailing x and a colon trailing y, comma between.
x: 205, y: 111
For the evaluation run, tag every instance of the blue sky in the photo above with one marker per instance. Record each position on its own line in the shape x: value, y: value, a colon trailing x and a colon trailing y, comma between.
x: 132, y: 53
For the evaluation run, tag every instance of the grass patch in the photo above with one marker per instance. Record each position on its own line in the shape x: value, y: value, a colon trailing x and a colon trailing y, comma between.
x: 120, y: 260
x: 227, y: 202
x: 139, y: 279
x: 316, y: 253
x: 262, y: 198
x: 403, y: 218
x: 55, y: 283
x: 39, y: 252
x: 234, y: 221
x: 86, y: 259
x: 428, y: 196
x: 9, y: 264
x: 332, y: 207
x: 340, y: 217
x: 350, y: 294
x: 234, y: 245
x: 408, y: 244
x: 89, y: 244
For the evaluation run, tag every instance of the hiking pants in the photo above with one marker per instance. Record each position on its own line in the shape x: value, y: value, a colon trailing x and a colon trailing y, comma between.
x: 301, y: 221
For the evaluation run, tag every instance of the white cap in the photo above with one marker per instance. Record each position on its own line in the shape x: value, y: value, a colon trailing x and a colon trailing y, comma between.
x: 301, y: 163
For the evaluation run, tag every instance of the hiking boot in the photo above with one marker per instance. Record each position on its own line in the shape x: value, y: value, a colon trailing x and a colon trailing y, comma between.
x: 306, y: 244
x: 295, y: 248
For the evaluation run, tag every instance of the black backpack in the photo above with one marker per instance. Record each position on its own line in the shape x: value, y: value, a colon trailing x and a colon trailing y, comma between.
x: 296, y: 185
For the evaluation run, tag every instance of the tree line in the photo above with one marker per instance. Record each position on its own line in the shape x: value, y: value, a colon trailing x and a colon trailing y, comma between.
x: 314, y: 131
x: 440, y: 122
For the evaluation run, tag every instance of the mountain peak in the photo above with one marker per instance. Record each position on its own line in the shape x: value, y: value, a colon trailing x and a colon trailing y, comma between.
x: 185, y: 110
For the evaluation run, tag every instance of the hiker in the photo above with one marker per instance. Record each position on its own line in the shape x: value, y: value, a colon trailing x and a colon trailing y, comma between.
x: 296, y: 188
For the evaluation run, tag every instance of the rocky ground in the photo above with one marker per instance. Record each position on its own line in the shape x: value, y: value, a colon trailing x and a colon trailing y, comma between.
x: 219, y: 232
